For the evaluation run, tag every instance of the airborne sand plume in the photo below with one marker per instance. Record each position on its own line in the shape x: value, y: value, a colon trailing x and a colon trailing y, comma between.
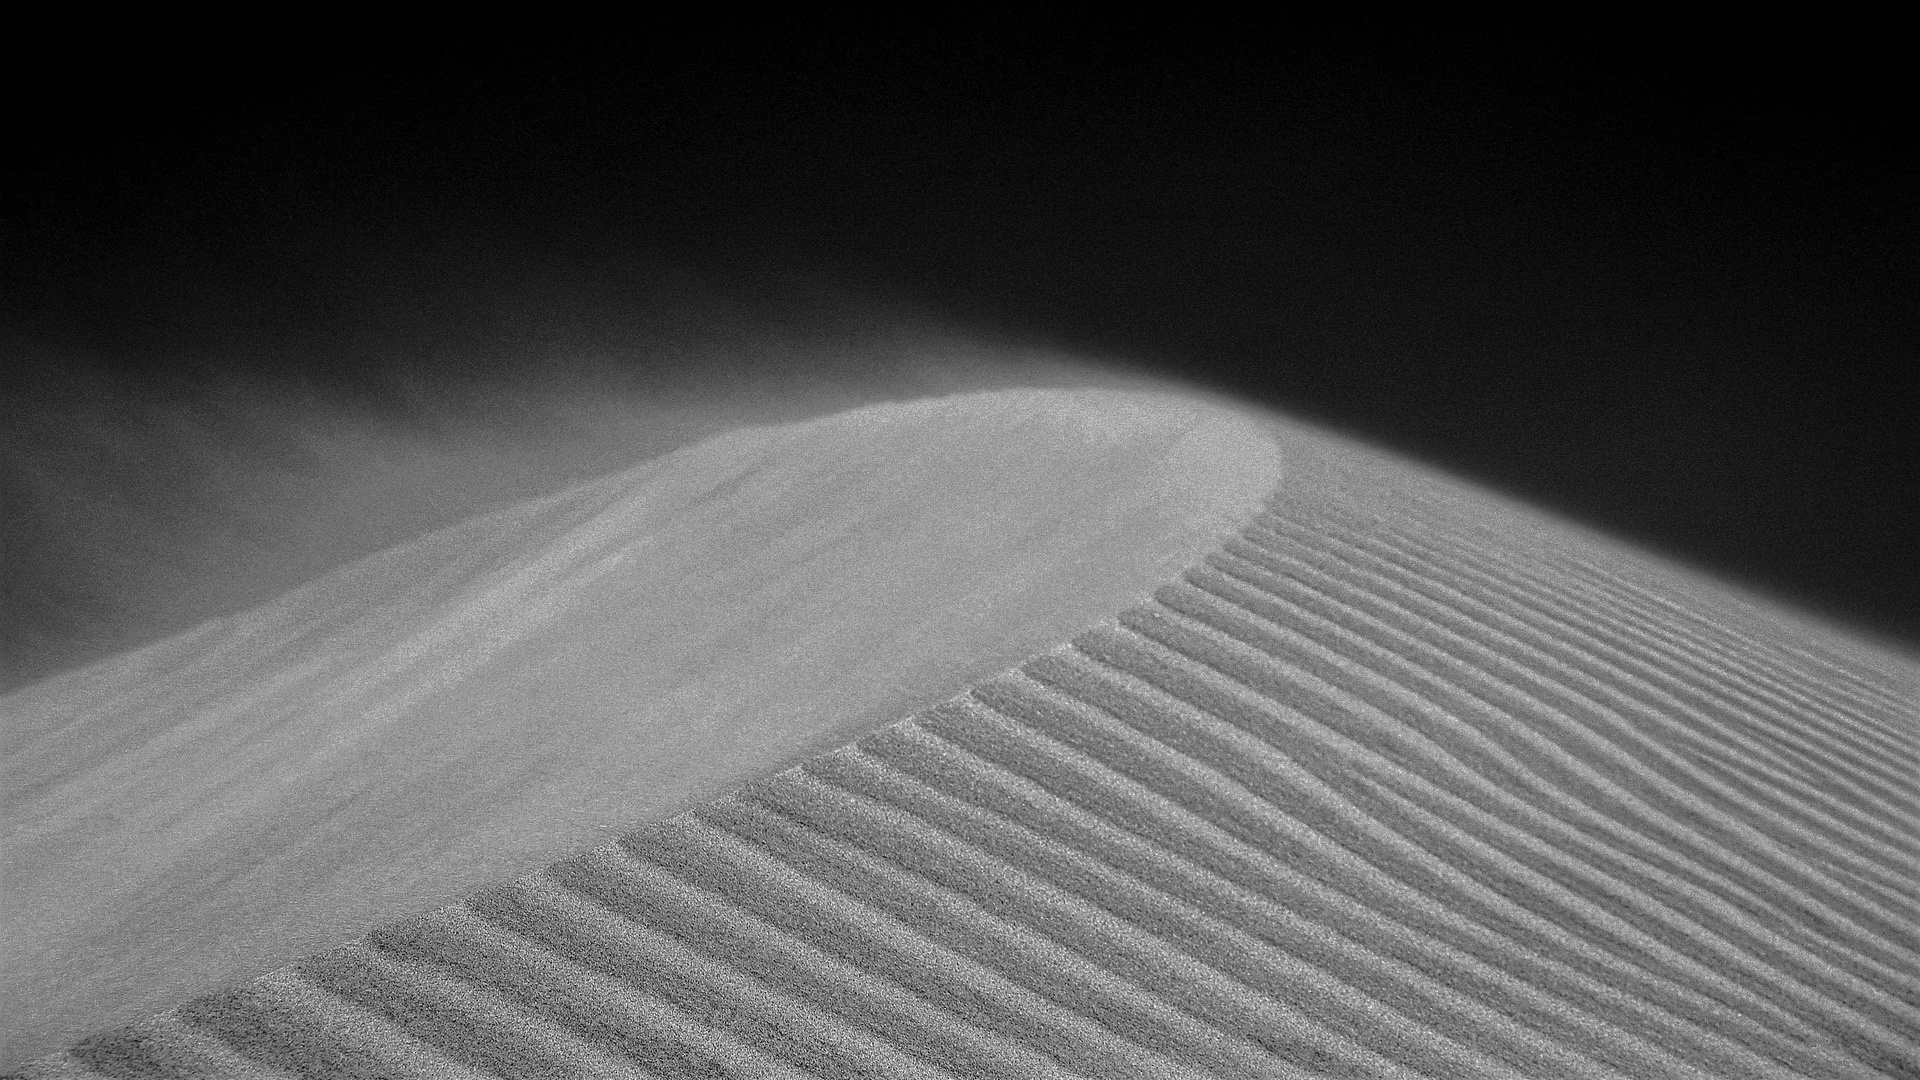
x: 1395, y: 778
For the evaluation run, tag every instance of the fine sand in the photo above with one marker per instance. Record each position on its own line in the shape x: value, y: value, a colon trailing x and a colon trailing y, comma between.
x: 1388, y: 777
x: 470, y: 706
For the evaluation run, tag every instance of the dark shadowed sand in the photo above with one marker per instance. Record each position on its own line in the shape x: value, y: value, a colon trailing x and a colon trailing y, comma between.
x: 1388, y: 777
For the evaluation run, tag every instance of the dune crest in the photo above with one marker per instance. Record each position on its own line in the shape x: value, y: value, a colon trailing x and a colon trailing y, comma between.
x: 483, y: 700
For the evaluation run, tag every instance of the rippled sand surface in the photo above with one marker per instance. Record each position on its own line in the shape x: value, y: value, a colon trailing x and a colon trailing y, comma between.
x: 1384, y: 776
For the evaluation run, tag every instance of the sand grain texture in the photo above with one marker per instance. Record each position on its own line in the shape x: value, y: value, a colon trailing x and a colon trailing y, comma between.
x: 1400, y: 780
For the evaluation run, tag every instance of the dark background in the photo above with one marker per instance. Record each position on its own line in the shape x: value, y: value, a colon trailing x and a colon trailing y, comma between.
x: 270, y: 306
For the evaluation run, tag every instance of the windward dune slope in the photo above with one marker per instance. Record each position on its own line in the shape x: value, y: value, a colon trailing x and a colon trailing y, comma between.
x: 470, y: 706
x: 1399, y: 780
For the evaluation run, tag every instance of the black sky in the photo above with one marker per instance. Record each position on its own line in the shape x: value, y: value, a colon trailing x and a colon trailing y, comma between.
x: 1658, y: 279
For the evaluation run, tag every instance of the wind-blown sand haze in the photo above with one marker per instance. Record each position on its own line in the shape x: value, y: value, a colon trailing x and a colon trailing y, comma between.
x: 1135, y: 736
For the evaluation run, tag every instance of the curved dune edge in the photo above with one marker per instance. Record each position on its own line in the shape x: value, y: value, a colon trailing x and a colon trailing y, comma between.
x: 1400, y: 781
x: 472, y: 705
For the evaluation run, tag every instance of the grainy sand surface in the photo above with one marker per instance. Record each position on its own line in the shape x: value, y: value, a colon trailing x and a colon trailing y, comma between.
x: 1398, y: 780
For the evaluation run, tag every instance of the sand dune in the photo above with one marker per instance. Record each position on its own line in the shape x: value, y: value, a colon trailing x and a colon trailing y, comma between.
x: 1399, y: 779
x: 470, y: 706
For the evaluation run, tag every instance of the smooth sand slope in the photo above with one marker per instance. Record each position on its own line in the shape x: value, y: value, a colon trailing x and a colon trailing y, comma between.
x: 475, y: 704
x: 1399, y: 780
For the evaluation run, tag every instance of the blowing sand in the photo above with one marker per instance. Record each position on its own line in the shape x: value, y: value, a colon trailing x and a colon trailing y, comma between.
x: 1395, y: 779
